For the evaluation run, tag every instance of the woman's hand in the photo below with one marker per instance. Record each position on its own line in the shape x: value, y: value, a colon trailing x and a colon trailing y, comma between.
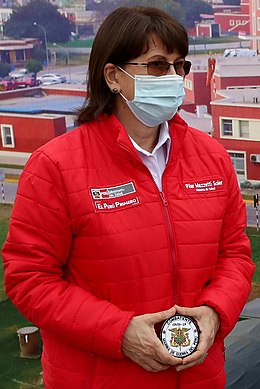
x: 141, y: 344
x: 208, y: 322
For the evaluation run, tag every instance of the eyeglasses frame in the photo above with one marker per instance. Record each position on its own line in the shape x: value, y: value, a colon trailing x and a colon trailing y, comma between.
x: 186, y: 65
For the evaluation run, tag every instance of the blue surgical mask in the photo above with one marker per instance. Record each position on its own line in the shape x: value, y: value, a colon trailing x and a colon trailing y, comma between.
x: 157, y: 99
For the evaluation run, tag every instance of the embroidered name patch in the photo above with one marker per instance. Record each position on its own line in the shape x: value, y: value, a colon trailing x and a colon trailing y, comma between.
x: 114, y: 197
x: 204, y: 185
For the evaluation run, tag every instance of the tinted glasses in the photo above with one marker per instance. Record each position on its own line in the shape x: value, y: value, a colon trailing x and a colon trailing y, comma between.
x: 161, y: 68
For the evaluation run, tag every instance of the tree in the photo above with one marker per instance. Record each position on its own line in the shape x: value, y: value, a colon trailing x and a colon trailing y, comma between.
x: 105, y: 7
x: 21, y: 22
x: 185, y: 11
x: 39, y: 53
x: 33, y: 66
x: 193, y: 11
x: 5, y: 69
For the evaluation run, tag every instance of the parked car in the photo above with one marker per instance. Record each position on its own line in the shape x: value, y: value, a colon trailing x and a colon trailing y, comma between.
x: 52, y: 78
x: 6, y: 84
x: 18, y: 73
x: 239, y: 53
x: 28, y: 80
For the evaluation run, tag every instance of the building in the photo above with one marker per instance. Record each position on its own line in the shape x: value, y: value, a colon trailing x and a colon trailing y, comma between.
x: 25, y: 132
x: 86, y: 22
x: 213, y: 2
x: 30, y: 118
x: 236, y: 122
x: 197, y: 93
x: 254, y: 11
x: 5, y: 14
x: 235, y: 72
x: 225, y: 20
x: 208, y: 28
x: 201, y: 84
x: 200, y: 120
x: 17, y: 52
x: 233, y: 19
x: 232, y: 96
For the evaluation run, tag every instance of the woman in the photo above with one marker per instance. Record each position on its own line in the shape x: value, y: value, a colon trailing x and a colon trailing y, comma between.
x: 127, y: 220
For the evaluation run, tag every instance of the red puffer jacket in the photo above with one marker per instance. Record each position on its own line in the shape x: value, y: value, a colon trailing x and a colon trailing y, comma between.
x: 93, y: 242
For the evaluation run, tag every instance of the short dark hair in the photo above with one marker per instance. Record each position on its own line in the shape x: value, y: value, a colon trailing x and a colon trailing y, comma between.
x: 123, y: 36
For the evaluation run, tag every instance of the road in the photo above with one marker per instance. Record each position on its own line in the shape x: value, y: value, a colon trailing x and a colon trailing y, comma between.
x: 251, y: 215
x: 9, y: 191
x: 76, y: 73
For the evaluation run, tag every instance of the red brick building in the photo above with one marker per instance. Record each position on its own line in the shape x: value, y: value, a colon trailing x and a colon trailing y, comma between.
x: 235, y: 71
x: 236, y: 123
x: 25, y: 133
x: 196, y: 90
x: 226, y: 19
x: 208, y: 29
x: 233, y: 99
x: 254, y: 11
x: 31, y: 118
x: 234, y: 20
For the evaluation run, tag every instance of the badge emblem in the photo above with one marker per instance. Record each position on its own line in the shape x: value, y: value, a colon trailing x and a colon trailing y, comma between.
x: 180, y: 335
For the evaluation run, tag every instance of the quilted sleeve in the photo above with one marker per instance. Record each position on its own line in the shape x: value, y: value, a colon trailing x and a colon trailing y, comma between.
x: 34, y: 254
x: 230, y: 285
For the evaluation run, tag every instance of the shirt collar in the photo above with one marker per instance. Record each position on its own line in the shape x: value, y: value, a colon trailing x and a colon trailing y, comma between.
x: 164, y: 139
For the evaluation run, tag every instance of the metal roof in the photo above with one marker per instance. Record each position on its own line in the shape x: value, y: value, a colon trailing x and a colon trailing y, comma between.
x: 42, y: 103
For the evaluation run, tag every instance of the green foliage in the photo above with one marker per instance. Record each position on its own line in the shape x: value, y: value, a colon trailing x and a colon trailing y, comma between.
x: 185, y: 11
x: 5, y: 212
x: 39, y: 53
x: 174, y: 8
x: 33, y: 66
x: 46, y: 17
x: 192, y: 13
x: 254, y: 237
x: 79, y: 43
x: 5, y: 69
x: 15, y: 372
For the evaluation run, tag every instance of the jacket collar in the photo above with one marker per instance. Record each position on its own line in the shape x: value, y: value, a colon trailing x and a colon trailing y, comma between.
x: 178, y: 131
x: 114, y: 135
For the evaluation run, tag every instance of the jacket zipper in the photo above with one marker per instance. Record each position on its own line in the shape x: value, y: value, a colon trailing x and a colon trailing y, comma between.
x: 167, y: 224
x: 171, y: 242
x: 172, y: 245
x: 174, y: 262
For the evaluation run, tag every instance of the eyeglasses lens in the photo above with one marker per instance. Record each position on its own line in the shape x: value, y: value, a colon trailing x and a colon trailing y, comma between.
x: 186, y: 67
x: 160, y: 68
x: 157, y: 68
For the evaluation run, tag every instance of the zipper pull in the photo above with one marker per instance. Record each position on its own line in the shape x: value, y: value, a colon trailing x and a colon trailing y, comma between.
x: 165, y: 202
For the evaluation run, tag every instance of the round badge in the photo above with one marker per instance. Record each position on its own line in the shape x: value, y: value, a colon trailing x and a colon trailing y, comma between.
x: 180, y: 335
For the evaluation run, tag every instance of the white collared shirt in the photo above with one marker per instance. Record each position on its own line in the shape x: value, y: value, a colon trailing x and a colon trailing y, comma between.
x: 158, y: 158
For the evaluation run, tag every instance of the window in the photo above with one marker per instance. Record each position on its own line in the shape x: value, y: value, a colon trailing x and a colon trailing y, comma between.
x: 258, y: 24
x: 244, y: 128
x: 227, y: 127
x: 232, y: 22
x: 7, y: 134
x: 238, y: 22
x: 238, y: 161
x: 188, y: 84
x: 19, y: 55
